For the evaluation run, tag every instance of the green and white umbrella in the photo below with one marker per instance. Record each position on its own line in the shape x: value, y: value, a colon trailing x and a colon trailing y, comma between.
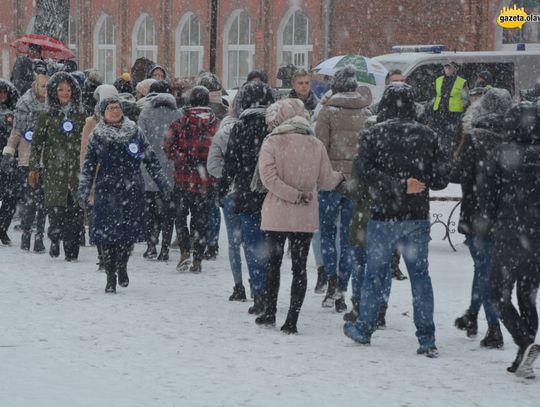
x: 368, y: 71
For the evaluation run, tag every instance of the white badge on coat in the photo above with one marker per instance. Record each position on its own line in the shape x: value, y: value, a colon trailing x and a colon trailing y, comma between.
x: 27, y: 135
x: 134, y: 149
x: 67, y: 126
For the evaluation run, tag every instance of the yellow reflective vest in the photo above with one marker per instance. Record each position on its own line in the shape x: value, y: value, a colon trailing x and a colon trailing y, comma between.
x: 455, y: 103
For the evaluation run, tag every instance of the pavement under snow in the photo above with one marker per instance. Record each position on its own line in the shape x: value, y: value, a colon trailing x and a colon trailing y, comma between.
x: 174, y: 339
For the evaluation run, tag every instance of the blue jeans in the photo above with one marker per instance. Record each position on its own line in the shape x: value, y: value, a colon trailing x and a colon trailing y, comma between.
x: 214, y: 221
x: 332, y: 205
x: 234, y: 235
x: 412, y: 238
x: 481, y: 252
x: 316, y: 246
x: 255, y: 250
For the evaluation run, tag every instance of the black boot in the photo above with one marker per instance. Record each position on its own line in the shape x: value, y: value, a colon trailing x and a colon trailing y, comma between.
x: 54, y: 250
x: 381, y: 318
x: 258, y: 305
x: 493, y: 338
x: 39, y: 247
x: 340, y: 304
x: 4, y: 238
x: 123, y: 279
x: 352, y: 316
x: 467, y: 322
x: 164, y: 254
x: 396, y: 272
x: 25, y: 241
x: 211, y: 252
x: 110, y: 288
x: 239, y: 293
x: 151, y: 252
x: 331, y: 292
x: 320, y: 286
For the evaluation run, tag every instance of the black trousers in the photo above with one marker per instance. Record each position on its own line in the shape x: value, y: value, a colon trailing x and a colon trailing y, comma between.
x: 512, y: 264
x: 196, y: 205
x: 65, y: 223
x: 33, y: 207
x: 300, y: 243
x: 161, y: 217
x: 11, y: 186
x: 115, y: 257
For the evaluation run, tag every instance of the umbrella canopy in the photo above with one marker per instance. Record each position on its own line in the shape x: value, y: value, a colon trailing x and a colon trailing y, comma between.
x: 368, y: 71
x: 50, y: 47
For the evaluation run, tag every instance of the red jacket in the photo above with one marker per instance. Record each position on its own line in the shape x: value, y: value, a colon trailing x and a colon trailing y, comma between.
x: 187, y: 143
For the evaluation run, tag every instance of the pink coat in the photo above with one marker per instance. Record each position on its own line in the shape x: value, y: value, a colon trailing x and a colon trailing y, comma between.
x: 289, y: 164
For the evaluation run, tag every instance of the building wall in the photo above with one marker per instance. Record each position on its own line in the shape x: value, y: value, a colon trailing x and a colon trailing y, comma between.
x: 367, y: 27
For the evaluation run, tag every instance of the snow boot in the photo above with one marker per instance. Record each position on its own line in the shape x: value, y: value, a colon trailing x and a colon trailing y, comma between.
x: 381, y: 317
x: 331, y: 292
x: 163, y: 254
x: 493, y: 338
x: 196, y: 267
x: 396, y: 272
x: 110, y: 288
x: 121, y: 268
x: 289, y: 328
x: 239, y: 293
x: 54, y: 250
x: 517, y: 361
x: 467, y: 322
x: 340, y: 304
x: 211, y: 252
x: 151, y: 252
x: 352, y: 316
x: 320, y: 286
x: 524, y: 368
x: 39, y: 247
x: 183, y: 264
x: 266, y: 319
x: 258, y: 306
x: 25, y: 241
x: 4, y: 238
x: 428, y: 351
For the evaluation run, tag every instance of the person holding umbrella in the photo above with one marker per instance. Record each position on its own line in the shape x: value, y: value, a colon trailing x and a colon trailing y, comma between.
x: 54, y: 157
x: 22, y: 74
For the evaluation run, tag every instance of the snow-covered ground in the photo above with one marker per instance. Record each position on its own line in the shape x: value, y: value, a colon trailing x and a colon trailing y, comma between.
x: 174, y: 339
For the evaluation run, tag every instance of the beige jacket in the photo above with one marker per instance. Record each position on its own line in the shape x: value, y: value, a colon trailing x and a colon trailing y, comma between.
x: 89, y: 126
x: 340, y: 122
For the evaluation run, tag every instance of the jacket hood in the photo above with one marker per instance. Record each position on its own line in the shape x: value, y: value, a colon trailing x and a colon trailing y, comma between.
x: 296, y: 124
x: 493, y: 105
x: 228, y: 121
x: 113, y: 134
x: 254, y: 112
x: 348, y: 100
x: 13, y: 94
x: 52, y: 96
x: 157, y: 67
x: 157, y: 100
x: 203, y: 116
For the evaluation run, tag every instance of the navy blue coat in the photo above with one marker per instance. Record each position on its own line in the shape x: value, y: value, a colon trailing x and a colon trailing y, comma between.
x: 119, y: 213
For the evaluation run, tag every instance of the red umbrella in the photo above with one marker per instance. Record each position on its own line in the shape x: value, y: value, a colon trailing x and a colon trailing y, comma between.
x: 50, y: 47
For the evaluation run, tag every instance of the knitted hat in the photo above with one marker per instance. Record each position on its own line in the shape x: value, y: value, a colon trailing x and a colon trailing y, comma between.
x: 285, y: 109
x: 345, y: 80
x: 105, y: 91
x: 143, y: 87
x: 106, y: 102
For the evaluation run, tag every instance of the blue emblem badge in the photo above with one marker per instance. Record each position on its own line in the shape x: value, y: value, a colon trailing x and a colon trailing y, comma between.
x: 67, y: 126
x: 134, y: 149
x: 27, y: 135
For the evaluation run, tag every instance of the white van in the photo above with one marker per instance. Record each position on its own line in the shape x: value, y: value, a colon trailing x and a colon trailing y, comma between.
x: 513, y: 70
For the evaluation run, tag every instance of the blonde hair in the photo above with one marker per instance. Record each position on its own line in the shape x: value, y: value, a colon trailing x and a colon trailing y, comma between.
x: 35, y: 83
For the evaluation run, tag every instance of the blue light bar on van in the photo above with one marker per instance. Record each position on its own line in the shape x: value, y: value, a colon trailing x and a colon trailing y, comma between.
x: 419, y: 48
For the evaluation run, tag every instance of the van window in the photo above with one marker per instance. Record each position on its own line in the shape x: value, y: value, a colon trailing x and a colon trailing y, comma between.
x: 422, y: 79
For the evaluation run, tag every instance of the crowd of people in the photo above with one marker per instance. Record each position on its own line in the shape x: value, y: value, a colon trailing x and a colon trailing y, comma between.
x: 340, y: 175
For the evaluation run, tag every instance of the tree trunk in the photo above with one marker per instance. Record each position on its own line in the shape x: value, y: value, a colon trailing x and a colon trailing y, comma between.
x: 52, y: 19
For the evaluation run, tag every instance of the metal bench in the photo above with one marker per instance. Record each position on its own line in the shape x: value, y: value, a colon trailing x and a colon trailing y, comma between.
x: 449, y: 225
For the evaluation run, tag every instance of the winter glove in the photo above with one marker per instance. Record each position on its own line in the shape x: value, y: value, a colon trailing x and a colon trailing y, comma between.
x: 7, y: 164
x: 33, y: 178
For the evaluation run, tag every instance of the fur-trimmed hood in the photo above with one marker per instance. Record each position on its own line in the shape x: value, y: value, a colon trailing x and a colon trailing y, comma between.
x: 13, y: 94
x: 488, y: 111
x: 53, y: 103
x: 157, y: 100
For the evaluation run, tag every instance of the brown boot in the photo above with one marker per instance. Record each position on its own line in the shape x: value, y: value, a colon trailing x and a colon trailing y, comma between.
x: 196, y: 266
x: 184, y: 262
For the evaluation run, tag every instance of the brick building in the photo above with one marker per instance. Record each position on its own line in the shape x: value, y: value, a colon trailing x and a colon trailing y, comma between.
x: 260, y: 33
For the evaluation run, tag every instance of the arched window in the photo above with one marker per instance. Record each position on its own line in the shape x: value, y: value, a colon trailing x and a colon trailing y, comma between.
x: 294, y: 39
x: 30, y: 26
x: 144, y: 38
x: 72, y: 35
x: 105, y: 48
x: 189, y: 51
x: 529, y: 34
x: 239, y: 49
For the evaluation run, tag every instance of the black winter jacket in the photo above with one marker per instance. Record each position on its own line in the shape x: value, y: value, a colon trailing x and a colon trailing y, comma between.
x: 509, y: 197
x: 391, y: 152
x: 241, y: 157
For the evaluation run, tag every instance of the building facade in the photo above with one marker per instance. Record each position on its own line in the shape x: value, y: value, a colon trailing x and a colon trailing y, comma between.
x: 264, y: 34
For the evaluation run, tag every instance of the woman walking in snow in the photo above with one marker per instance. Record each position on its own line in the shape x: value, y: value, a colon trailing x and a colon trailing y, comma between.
x: 119, y: 212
